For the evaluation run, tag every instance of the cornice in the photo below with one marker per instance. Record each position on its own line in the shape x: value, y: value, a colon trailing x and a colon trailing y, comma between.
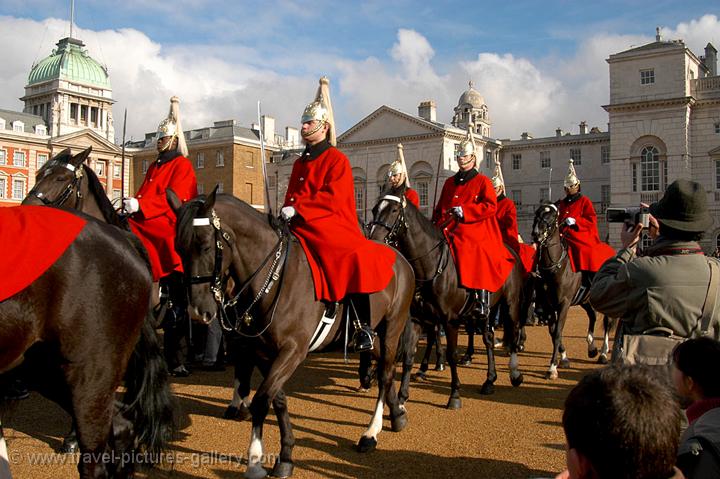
x: 641, y: 105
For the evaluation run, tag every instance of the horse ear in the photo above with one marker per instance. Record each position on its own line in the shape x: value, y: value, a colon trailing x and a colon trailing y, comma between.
x: 210, y: 201
x: 78, y: 159
x: 173, y: 200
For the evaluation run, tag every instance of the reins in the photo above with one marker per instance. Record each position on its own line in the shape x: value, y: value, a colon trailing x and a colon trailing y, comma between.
x: 73, y: 185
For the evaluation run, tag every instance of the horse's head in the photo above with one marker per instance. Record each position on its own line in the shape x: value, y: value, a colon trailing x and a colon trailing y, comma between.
x: 388, y: 221
x: 58, y: 179
x: 201, y: 242
x: 545, y: 222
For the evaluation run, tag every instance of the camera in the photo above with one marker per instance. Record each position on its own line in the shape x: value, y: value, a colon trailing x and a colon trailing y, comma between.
x: 632, y: 215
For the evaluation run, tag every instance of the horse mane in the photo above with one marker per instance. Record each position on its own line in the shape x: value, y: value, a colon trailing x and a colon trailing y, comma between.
x: 106, y: 207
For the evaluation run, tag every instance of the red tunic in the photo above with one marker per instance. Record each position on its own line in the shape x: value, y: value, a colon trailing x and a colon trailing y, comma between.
x: 412, y: 197
x: 154, y: 224
x: 341, y: 259
x: 482, y: 260
x: 33, y: 238
x: 587, y: 252
x: 507, y: 221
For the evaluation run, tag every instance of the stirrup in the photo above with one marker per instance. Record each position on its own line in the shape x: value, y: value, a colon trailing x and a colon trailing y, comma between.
x: 363, y: 339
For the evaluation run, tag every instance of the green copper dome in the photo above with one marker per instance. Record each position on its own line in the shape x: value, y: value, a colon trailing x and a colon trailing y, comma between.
x: 70, y: 62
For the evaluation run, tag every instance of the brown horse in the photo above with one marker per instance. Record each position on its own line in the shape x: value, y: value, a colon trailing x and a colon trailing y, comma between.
x: 439, y: 294
x: 559, y: 287
x: 221, y: 237
x: 75, y: 330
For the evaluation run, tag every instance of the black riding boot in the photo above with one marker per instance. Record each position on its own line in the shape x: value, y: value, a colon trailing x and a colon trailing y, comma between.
x: 177, y: 327
x: 363, y: 336
x: 482, y: 303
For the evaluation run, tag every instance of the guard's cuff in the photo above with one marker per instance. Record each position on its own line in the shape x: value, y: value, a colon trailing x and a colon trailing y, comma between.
x: 626, y: 255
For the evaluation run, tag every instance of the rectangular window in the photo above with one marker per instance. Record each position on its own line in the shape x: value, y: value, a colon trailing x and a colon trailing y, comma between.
x: 651, y: 176
x: 83, y: 113
x: 604, y: 155
x: 93, y: 115
x: 117, y: 171
x: 201, y: 188
x: 100, y: 168
x: 144, y: 166
x: 19, y: 158
x: 74, y: 112
x: 717, y: 127
x: 3, y: 157
x: 544, y: 194
x: 41, y: 160
x: 717, y: 174
x: 200, y: 162
x: 516, y: 196
x: 576, y: 155
x: 516, y: 161
x: 272, y: 182
x: 18, y: 127
x: 360, y: 197
x: 422, y: 190
x: 545, y: 161
x: 604, y: 197
x: 3, y: 187
x: 647, y: 76
x: 634, y: 177
x: 18, y: 191
x: 219, y: 159
x: 248, y: 160
x: 116, y: 194
x: 220, y: 187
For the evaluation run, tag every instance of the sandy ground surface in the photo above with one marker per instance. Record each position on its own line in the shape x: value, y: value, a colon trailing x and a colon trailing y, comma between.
x: 515, y: 433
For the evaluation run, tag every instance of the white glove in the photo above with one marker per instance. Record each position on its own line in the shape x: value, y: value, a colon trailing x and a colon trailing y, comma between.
x: 287, y: 212
x: 570, y: 221
x: 131, y: 205
x: 457, y: 211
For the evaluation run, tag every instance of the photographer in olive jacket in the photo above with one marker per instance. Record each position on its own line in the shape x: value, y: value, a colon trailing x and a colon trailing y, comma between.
x: 667, y: 288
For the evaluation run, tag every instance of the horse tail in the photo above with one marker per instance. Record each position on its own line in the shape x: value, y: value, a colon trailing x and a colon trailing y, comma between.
x: 148, y: 396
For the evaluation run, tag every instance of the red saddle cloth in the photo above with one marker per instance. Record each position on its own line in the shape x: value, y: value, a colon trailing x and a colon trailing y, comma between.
x: 32, y: 238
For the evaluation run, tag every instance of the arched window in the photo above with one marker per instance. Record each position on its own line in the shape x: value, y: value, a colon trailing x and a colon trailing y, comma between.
x: 650, y: 169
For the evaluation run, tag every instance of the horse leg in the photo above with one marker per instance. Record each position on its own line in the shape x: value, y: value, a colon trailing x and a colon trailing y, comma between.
x: 285, y: 363
x: 466, y: 360
x: 555, y: 326
x: 410, y: 341
x: 93, y: 414
x: 244, y: 366
x: 4, y: 461
x: 424, y: 363
x: 451, y: 335
x: 283, y: 465
x: 366, y: 371
x: 513, y: 336
x: 439, y: 349
x: 488, y: 386
x: 592, y: 349
x: 70, y: 442
x: 603, y: 357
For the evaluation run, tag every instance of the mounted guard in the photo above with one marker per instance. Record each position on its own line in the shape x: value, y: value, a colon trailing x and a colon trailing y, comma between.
x: 320, y: 208
x: 398, y: 176
x: 578, y: 222
x: 466, y: 214
x: 153, y: 221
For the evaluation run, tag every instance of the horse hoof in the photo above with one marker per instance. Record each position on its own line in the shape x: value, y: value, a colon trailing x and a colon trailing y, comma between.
x: 440, y: 367
x: 564, y: 363
x: 551, y: 375
x: 398, y: 423
x: 367, y: 444
x: 256, y: 471
x: 362, y: 389
x: 602, y: 359
x: 69, y: 446
x: 239, y: 413
x: 487, y: 388
x: 420, y: 376
x: 517, y: 381
x: 454, y: 403
x: 282, y: 469
x: 465, y: 361
x: 592, y: 353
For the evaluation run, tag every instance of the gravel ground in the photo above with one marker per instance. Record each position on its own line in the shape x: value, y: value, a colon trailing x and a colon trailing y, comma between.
x: 515, y: 433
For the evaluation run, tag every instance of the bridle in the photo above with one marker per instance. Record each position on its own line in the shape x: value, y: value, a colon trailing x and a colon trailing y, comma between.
x: 548, y: 229
x: 278, y: 257
x: 73, y: 185
x: 400, y: 227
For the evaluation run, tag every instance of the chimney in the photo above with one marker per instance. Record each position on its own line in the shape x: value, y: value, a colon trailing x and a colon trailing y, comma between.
x: 558, y: 132
x: 292, y: 137
x: 526, y: 136
x: 710, y: 60
x: 268, y: 128
x: 583, y: 128
x: 427, y: 110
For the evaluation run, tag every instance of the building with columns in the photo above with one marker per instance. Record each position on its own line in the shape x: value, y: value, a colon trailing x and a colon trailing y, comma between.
x: 67, y: 104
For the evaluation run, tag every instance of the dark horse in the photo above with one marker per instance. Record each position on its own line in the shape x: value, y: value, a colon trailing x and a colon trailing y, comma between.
x: 75, y: 330
x: 560, y: 287
x: 439, y: 294
x: 222, y: 236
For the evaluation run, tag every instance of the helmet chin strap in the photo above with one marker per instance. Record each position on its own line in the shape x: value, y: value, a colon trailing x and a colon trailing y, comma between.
x: 463, y: 163
x: 317, y: 128
x: 168, y: 144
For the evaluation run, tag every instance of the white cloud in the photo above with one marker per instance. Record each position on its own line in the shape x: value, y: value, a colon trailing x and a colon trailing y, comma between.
x: 219, y: 82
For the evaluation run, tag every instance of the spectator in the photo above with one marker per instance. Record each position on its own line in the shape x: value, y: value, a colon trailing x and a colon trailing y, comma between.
x: 667, y: 288
x: 621, y: 423
x: 697, y: 381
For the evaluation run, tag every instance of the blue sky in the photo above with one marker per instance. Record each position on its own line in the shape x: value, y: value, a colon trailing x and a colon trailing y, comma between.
x: 539, y: 65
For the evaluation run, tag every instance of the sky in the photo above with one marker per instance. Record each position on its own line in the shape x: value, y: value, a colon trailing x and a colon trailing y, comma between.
x: 538, y: 65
